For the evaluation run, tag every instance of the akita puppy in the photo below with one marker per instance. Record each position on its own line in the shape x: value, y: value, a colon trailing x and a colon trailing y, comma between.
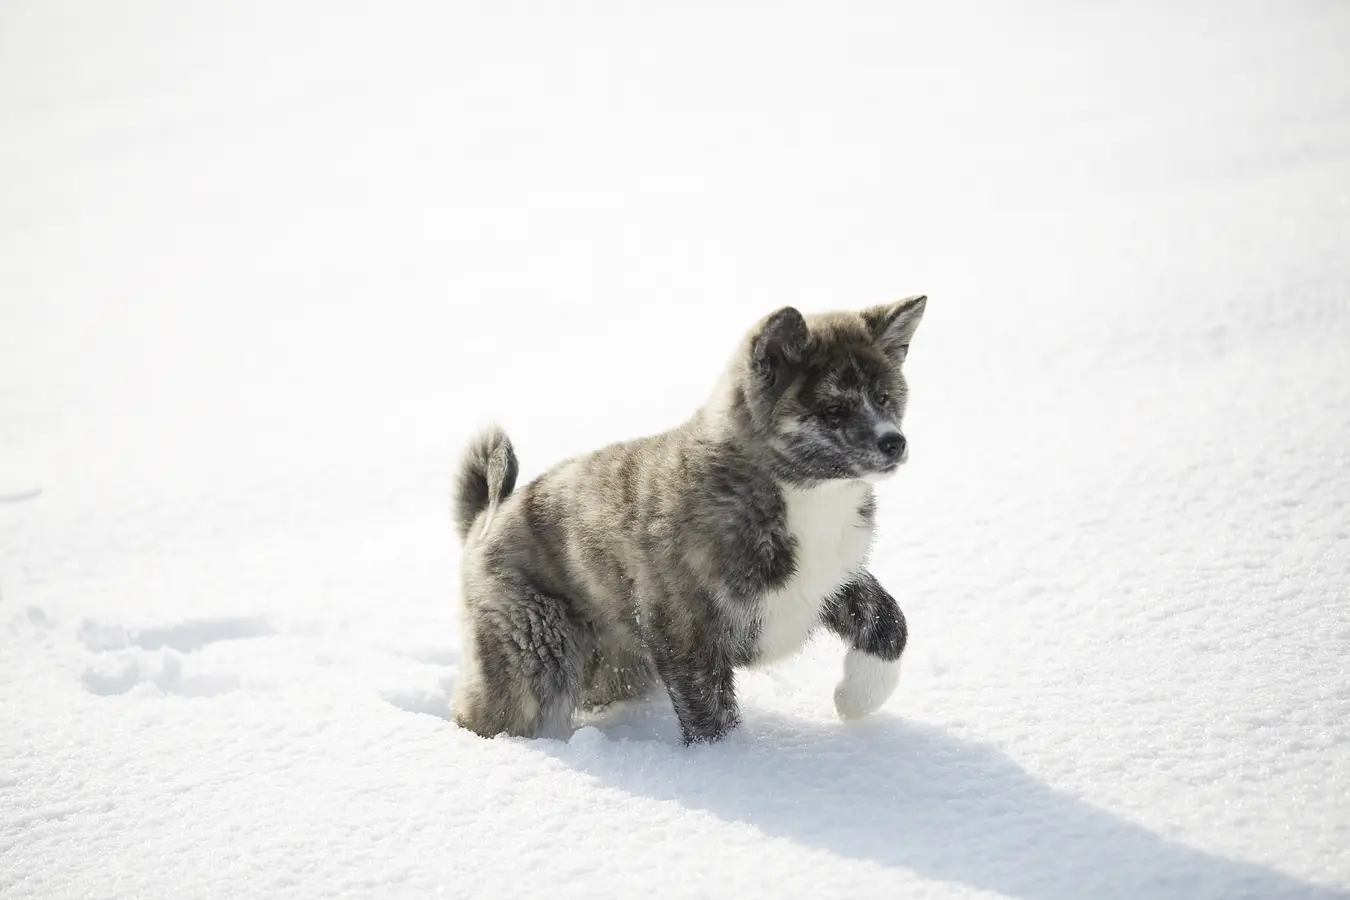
x: 675, y: 559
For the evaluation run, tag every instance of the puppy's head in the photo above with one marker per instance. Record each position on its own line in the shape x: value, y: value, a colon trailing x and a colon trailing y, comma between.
x: 825, y: 395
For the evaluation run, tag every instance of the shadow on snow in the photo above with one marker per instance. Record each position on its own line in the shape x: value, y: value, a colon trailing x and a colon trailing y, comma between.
x: 913, y: 796
x: 905, y: 795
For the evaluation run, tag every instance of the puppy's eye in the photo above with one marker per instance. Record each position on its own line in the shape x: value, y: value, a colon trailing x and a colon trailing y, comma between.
x: 883, y: 397
x: 835, y: 413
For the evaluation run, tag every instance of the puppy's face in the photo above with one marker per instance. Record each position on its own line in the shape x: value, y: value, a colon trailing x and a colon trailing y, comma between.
x: 829, y: 392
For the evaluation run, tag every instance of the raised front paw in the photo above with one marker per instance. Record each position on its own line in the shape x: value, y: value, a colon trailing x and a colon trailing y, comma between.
x: 868, y: 681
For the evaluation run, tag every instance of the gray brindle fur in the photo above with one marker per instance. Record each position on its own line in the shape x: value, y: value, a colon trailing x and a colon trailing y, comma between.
x: 678, y: 558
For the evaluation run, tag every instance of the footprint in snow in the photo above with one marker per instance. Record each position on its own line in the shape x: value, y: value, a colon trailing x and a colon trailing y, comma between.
x: 150, y: 661
x: 185, y: 637
x: 162, y: 675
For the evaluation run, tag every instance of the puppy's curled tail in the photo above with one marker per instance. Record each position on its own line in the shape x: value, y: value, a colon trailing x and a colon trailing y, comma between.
x: 487, y: 475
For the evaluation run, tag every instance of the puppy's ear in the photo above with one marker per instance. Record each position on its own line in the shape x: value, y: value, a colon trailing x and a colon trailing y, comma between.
x: 780, y: 346
x: 894, y: 324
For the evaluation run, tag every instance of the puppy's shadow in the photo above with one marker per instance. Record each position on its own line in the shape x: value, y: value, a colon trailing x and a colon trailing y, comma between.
x: 915, y: 797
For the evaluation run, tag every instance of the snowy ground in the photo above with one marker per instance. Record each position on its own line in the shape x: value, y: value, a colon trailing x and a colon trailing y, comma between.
x: 264, y: 267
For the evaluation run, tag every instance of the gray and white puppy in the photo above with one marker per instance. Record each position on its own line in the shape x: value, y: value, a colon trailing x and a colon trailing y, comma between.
x: 677, y: 558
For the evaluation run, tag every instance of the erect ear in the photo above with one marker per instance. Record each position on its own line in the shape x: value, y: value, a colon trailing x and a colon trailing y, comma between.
x: 780, y: 345
x: 894, y: 324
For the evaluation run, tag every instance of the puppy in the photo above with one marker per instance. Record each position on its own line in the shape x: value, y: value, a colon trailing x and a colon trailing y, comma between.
x: 676, y: 559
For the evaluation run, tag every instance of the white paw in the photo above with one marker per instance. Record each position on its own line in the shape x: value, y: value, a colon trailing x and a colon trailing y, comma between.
x: 868, y: 682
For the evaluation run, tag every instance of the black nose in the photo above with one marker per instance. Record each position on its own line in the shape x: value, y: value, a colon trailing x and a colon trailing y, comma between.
x: 892, y: 443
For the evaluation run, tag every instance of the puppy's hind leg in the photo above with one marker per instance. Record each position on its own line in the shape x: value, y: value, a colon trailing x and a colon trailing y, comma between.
x: 523, y: 672
x: 614, y: 673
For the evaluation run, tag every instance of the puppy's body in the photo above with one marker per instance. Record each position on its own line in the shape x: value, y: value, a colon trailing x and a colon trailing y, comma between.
x: 678, y: 558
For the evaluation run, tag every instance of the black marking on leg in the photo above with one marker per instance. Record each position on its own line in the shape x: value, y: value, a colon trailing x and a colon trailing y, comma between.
x: 866, y: 616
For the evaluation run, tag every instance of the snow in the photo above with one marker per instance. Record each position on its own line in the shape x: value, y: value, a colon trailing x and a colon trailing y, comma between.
x: 265, y: 267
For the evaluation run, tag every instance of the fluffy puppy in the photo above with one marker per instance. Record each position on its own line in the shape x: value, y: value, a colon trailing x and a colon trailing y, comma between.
x: 676, y: 559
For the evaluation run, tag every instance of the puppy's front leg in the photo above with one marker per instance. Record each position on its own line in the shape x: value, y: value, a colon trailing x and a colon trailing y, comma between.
x: 700, y: 681
x: 866, y: 616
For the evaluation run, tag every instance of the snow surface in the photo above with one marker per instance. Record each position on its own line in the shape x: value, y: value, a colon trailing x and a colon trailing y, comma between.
x: 264, y: 267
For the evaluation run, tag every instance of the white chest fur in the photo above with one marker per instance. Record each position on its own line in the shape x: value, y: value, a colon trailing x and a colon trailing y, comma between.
x: 832, y: 539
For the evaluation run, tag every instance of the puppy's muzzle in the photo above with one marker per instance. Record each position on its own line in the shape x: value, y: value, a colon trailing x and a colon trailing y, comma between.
x: 892, y: 444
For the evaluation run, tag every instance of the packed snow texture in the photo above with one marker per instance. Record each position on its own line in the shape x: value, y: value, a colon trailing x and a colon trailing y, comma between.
x: 264, y: 268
